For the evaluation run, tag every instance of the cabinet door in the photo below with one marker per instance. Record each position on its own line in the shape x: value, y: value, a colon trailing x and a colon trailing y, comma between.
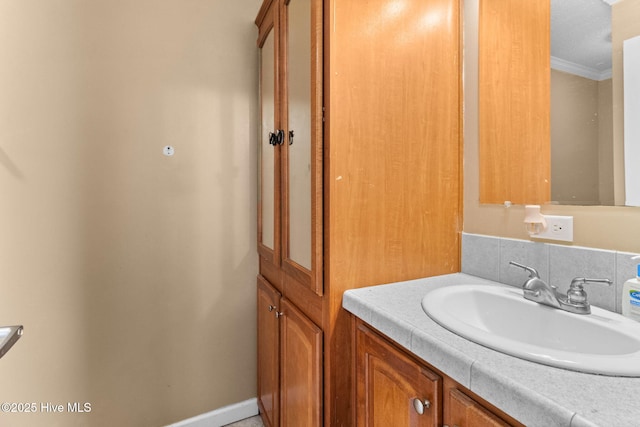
x: 392, y: 389
x: 290, y: 142
x: 301, y: 380
x: 465, y: 412
x: 268, y: 151
x: 514, y: 101
x: 268, y: 351
x: 302, y: 152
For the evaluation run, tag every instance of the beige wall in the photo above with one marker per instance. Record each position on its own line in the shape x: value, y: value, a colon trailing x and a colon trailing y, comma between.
x: 594, y: 226
x: 605, y: 143
x: 574, y: 139
x: 133, y: 273
x: 581, y: 140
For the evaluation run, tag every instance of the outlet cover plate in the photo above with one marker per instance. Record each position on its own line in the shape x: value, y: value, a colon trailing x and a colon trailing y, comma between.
x: 558, y: 228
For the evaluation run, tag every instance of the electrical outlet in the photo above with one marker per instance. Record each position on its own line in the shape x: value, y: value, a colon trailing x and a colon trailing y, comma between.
x: 558, y: 228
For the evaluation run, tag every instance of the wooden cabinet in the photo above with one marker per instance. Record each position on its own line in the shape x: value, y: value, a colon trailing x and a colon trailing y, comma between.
x: 514, y: 101
x: 289, y: 362
x: 359, y: 176
x: 394, y: 388
x: 290, y: 284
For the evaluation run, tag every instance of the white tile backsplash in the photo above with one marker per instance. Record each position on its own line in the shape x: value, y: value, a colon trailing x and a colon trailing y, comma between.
x: 568, y: 262
x: 488, y: 257
x: 481, y: 256
x: 532, y: 254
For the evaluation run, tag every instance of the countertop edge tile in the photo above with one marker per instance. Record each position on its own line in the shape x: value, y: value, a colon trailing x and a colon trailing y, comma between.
x: 389, y: 326
x: 578, y: 421
x: 356, y: 306
x: 448, y: 360
x: 520, y: 402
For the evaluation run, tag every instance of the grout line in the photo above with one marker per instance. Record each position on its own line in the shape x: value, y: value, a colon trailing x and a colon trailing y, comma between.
x: 471, y: 374
x: 500, y: 260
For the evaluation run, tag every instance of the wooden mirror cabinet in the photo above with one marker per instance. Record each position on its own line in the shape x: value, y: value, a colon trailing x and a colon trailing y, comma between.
x: 514, y: 101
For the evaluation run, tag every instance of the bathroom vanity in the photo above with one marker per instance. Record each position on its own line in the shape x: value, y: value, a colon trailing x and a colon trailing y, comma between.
x: 383, y: 367
x: 465, y: 379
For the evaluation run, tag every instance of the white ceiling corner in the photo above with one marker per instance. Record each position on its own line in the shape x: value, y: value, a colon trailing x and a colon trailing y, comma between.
x: 581, y: 36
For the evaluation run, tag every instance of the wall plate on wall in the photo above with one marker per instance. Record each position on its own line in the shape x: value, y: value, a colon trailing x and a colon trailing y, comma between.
x: 558, y: 228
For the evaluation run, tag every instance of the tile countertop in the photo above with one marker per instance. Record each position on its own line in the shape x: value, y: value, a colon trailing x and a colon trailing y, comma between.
x: 534, y: 394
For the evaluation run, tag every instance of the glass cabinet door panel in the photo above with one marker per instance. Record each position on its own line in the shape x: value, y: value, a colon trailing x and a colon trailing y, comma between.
x: 266, y: 151
x: 299, y: 124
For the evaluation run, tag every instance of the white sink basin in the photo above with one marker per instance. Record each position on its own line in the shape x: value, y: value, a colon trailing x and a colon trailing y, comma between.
x: 500, y: 318
x: 8, y: 336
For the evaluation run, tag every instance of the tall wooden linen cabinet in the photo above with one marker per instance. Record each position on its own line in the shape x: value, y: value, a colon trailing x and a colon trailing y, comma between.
x: 359, y: 181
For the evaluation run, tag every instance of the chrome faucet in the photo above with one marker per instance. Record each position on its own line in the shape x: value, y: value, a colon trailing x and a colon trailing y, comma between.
x: 575, y: 301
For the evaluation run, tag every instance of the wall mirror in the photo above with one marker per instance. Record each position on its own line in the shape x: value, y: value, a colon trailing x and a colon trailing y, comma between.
x: 587, y: 101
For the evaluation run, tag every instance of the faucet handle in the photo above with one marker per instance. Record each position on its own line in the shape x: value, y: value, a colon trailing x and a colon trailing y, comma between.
x: 578, y: 282
x: 576, y: 293
x: 533, y: 273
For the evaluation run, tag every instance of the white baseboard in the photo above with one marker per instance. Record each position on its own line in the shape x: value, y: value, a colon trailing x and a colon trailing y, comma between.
x: 222, y: 416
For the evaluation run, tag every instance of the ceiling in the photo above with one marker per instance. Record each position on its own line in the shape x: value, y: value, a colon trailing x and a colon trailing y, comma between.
x: 581, y: 37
